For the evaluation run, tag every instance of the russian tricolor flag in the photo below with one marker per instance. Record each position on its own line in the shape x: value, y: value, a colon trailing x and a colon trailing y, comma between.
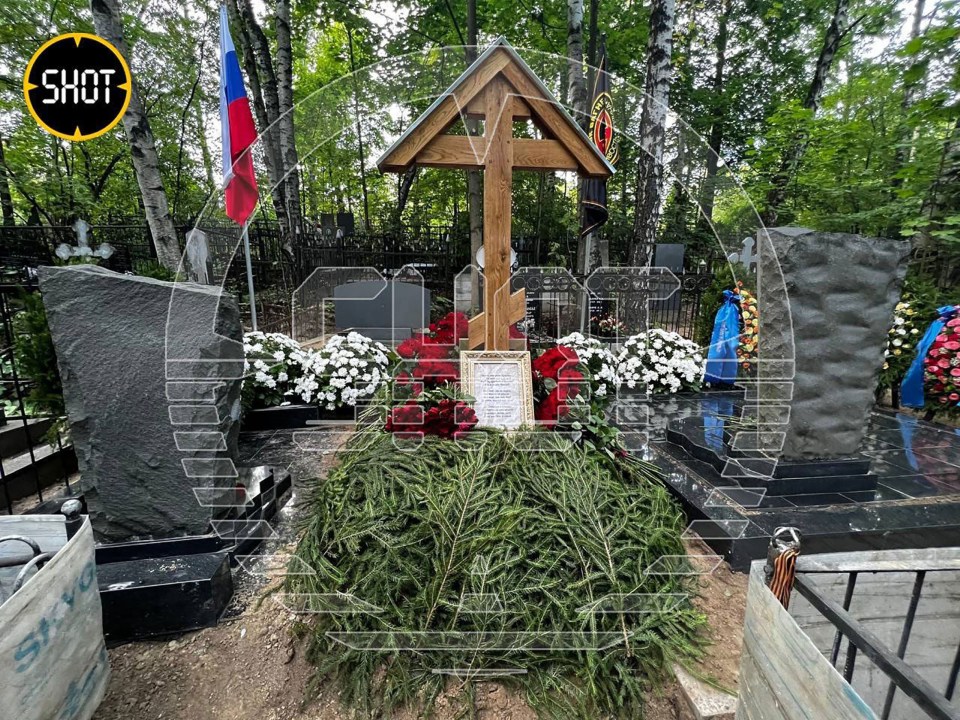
x: 237, y: 132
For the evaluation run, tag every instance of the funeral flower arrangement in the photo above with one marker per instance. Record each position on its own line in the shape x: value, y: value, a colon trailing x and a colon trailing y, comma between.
x: 607, y: 325
x: 661, y: 361
x: 573, y: 383
x: 597, y: 363
x: 347, y: 369
x: 431, y: 357
x: 901, y: 344
x: 273, y: 363
x: 750, y: 319
x: 556, y: 382
x: 441, y: 412
x: 942, y: 366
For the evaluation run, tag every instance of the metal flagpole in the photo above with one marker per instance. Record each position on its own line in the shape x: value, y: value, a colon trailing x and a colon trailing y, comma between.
x: 253, y: 298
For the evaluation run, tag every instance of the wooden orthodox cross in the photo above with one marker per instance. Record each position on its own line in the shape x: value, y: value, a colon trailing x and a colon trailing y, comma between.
x: 498, y: 88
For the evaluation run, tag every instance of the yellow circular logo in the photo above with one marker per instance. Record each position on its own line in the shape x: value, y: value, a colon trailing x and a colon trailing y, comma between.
x: 77, y: 86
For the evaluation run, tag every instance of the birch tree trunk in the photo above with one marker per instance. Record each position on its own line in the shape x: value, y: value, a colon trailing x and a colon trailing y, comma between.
x: 577, y: 97
x: 577, y: 92
x: 6, y: 200
x: 795, y: 150
x: 912, y: 88
x: 943, y: 198
x: 653, y: 124
x: 272, y: 131
x: 288, y: 143
x: 146, y: 164
x: 356, y: 112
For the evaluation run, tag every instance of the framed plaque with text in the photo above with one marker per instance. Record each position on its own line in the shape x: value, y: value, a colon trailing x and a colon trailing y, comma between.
x: 501, y: 384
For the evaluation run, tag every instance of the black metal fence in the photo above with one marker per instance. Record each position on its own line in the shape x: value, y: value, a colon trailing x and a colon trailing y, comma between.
x: 933, y: 702
x: 36, y: 464
x: 437, y: 251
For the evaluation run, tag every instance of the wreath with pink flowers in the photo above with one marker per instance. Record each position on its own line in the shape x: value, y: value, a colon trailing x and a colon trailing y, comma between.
x: 942, y: 368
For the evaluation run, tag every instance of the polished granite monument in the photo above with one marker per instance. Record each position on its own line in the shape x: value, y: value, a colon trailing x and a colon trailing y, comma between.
x: 802, y: 444
x: 826, y: 303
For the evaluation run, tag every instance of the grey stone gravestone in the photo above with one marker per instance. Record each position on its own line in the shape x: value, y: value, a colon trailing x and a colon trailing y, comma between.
x: 110, y: 334
x: 388, y: 313
x: 669, y: 256
x: 831, y: 313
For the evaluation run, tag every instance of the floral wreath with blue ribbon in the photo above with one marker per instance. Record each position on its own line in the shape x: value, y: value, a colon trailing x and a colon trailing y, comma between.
x: 911, y: 389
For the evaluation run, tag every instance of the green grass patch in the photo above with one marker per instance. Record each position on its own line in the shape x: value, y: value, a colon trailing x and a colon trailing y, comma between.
x: 494, y: 550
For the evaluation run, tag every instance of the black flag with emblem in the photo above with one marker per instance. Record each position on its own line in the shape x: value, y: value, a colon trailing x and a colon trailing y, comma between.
x: 603, y: 135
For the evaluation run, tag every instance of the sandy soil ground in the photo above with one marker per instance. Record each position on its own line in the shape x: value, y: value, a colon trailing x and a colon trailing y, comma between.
x: 251, y: 667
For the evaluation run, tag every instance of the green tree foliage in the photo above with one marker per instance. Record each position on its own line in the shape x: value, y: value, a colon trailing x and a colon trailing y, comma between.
x: 881, y: 153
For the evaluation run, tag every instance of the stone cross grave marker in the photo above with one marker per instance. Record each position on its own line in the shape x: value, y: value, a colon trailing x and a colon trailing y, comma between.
x: 745, y: 256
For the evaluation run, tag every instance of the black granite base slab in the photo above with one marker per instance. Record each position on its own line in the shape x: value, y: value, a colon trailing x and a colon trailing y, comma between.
x: 173, y: 585
x: 163, y: 595
x: 292, y: 417
x: 737, y: 522
x: 707, y: 439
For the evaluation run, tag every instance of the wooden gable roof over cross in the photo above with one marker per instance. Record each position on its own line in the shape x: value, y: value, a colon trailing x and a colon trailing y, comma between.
x: 498, y: 88
x: 565, y: 146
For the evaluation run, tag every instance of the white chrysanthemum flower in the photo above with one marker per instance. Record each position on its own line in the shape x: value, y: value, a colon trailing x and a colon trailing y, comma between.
x: 663, y: 361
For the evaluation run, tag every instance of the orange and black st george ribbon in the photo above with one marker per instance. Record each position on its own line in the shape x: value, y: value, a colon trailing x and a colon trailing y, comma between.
x: 603, y: 134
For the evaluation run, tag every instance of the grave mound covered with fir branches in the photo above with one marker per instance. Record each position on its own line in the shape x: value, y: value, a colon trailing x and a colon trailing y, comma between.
x: 486, y: 558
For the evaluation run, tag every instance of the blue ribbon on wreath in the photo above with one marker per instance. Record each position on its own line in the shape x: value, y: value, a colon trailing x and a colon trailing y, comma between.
x: 722, y: 354
x: 911, y: 389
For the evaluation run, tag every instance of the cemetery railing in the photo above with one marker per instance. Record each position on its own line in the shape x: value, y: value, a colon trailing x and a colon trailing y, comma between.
x: 438, y: 252
x: 937, y: 571
x: 36, y: 463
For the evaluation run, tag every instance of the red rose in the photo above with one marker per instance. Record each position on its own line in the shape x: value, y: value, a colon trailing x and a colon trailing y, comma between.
x: 450, y: 328
x: 411, y: 347
x: 434, y: 352
x: 550, y: 363
x: 446, y: 419
x: 554, y: 406
x: 547, y: 410
x: 437, y: 372
x: 406, y: 418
